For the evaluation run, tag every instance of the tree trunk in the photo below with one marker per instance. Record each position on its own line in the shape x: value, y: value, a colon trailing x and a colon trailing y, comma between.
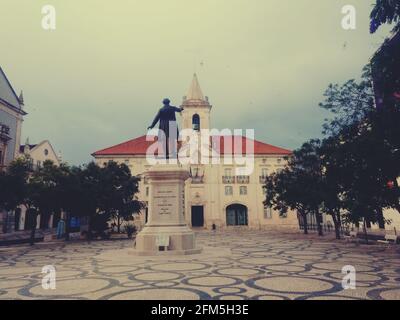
x: 304, y: 216
x: 337, y: 223
x: 33, y: 227
x: 89, y: 234
x: 381, y: 220
x: 67, y: 226
x: 318, y: 216
x: 118, y: 224
x: 365, y: 231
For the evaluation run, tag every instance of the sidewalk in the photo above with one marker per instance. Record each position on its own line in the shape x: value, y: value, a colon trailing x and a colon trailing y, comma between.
x: 44, y: 236
x: 20, y: 237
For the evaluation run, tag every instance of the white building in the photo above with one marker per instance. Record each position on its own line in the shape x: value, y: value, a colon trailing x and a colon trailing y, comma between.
x: 215, y: 194
x: 11, y: 118
x: 37, y: 154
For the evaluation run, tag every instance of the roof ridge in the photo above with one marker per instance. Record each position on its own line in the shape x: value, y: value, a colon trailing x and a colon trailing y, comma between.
x: 12, y: 91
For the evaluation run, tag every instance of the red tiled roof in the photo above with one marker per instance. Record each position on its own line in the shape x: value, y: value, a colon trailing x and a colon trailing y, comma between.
x: 139, y: 146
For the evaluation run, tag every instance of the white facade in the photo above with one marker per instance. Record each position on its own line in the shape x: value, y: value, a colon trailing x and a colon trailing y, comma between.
x: 214, y: 195
x: 38, y: 154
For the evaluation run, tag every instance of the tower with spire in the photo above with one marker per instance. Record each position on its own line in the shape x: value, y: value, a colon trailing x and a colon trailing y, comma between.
x: 196, y: 113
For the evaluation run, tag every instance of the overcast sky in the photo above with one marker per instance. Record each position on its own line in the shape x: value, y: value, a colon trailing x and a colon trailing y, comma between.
x: 99, y: 78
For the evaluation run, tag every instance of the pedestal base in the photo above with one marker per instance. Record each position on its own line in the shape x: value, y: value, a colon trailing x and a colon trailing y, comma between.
x: 181, y: 241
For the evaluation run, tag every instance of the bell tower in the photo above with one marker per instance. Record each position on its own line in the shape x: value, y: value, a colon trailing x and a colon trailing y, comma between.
x: 196, y: 113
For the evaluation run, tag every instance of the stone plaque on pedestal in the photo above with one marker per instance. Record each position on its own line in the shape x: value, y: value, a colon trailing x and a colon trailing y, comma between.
x: 166, y: 231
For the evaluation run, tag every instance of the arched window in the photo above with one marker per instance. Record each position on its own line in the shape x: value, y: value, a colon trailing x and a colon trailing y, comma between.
x: 196, y: 122
x: 236, y: 215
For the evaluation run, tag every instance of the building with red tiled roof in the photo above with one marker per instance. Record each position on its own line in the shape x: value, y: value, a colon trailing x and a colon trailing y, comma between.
x: 217, y: 193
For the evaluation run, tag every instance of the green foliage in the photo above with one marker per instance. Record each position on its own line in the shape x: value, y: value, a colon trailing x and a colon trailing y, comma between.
x: 13, y: 183
x: 98, y: 193
x: 348, y: 103
x: 351, y: 174
x: 299, y: 185
x: 385, y: 11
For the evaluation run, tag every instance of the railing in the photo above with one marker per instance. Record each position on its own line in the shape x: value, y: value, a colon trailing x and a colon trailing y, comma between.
x: 4, y: 129
x: 4, y: 132
x: 326, y: 227
x: 243, y: 179
x: 228, y: 179
x: 198, y: 180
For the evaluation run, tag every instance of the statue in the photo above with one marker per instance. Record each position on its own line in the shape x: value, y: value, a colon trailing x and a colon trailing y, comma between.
x: 167, y: 135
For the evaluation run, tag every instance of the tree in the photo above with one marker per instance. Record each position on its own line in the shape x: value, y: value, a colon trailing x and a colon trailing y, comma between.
x: 118, y: 190
x: 299, y: 185
x: 21, y: 192
x: 14, y: 180
x: 332, y: 175
x: 360, y: 162
x: 100, y: 193
x: 367, y: 146
x: 385, y: 11
x: 349, y: 103
x: 283, y: 192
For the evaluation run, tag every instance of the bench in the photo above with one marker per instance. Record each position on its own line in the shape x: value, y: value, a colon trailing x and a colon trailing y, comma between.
x: 390, y: 237
x: 352, y: 236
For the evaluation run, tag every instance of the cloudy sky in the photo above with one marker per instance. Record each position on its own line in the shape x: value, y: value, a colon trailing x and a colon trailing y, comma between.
x: 99, y: 78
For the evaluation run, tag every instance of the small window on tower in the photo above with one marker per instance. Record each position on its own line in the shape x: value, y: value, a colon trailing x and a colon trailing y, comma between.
x: 196, y: 122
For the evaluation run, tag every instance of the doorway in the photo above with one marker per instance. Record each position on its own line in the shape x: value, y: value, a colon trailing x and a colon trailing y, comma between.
x: 197, y: 216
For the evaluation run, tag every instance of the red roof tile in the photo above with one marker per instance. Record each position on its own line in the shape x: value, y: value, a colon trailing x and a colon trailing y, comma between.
x: 139, y: 146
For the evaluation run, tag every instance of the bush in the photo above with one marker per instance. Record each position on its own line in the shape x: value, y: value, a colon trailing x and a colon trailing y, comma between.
x: 130, y: 229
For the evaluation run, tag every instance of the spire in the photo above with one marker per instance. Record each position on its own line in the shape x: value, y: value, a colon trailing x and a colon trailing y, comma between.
x: 195, y: 92
x: 27, y: 147
x: 21, y: 98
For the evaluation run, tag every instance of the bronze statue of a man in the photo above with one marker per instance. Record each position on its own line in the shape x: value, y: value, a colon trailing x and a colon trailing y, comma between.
x: 168, y: 128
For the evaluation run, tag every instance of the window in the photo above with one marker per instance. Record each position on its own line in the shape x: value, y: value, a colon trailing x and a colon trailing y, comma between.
x: 147, y: 191
x: 46, y: 152
x: 264, y: 172
x: 195, y: 172
x: 267, y: 212
x: 196, y: 122
x: 243, y: 190
x: 228, y: 190
x: 283, y: 215
x: 39, y: 163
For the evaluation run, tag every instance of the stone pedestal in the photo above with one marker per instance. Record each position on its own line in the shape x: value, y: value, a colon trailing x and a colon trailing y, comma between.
x: 166, y: 231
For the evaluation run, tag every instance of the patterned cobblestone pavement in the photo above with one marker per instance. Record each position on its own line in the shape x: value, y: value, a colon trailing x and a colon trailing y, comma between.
x: 233, y: 265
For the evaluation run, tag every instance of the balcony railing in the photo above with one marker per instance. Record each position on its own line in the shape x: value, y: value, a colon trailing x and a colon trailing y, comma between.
x: 228, y: 179
x: 198, y: 180
x: 4, y: 129
x: 4, y: 132
x: 242, y: 179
